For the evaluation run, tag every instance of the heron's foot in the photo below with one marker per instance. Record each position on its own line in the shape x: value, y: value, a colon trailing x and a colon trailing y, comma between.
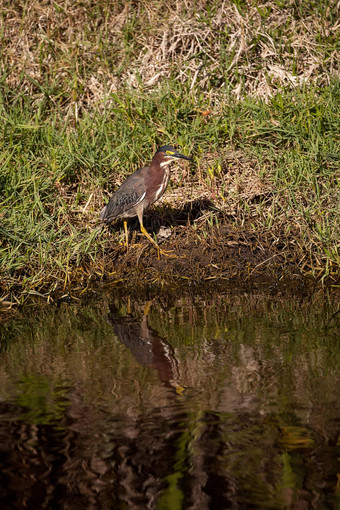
x: 166, y: 253
x: 180, y: 389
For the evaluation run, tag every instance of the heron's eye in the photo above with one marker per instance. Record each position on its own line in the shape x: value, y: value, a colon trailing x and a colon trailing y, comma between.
x: 169, y: 153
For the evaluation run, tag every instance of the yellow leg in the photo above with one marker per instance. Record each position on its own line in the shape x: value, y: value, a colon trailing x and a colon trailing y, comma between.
x: 144, y: 232
x: 147, y: 307
x: 126, y: 235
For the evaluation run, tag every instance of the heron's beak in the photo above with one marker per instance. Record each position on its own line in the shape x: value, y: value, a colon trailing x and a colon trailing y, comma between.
x: 179, y: 155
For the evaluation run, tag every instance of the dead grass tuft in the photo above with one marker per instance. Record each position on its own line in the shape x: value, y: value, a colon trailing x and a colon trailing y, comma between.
x: 236, y: 179
x: 84, y: 51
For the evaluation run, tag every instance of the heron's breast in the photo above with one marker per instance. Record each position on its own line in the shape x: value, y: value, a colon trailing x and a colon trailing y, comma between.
x: 157, y: 184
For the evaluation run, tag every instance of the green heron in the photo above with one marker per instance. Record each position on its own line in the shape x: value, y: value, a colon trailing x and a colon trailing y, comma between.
x: 147, y: 347
x: 140, y: 190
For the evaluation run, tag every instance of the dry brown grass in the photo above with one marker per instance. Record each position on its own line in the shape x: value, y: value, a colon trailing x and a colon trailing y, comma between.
x: 83, y: 51
x: 238, y: 178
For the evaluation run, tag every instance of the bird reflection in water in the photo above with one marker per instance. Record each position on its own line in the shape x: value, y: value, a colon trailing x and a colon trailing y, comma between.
x: 147, y: 347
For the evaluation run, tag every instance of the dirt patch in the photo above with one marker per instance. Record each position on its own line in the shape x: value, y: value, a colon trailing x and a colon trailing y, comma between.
x: 197, y: 255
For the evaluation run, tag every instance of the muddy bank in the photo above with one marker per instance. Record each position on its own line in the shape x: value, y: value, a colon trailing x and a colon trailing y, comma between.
x: 204, y: 245
x: 212, y: 253
x: 221, y: 254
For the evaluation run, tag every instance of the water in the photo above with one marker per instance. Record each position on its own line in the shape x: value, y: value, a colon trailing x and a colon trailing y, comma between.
x: 222, y: 401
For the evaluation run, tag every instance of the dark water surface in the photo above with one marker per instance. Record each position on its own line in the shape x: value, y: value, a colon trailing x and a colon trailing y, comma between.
x: 223, y: 401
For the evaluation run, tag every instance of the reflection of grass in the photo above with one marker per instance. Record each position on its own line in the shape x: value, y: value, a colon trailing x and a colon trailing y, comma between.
x: 257, y: 371
x: 215, y: 339
x: 95, y: 98
x: 228, y: 430
x: 294, y: 438
x: 43, y: 400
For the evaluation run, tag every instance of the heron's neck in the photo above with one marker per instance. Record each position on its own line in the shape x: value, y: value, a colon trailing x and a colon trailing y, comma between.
x: 166, y: 162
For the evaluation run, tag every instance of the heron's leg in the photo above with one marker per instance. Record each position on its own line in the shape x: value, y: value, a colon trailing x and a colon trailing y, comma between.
x: 147, y: 235
x: 126, y: 235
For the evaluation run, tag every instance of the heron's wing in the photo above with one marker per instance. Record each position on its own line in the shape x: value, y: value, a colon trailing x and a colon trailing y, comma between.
x: 127, y: 196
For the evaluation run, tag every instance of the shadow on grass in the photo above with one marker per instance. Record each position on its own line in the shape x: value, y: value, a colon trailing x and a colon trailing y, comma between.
x: 167, y: 216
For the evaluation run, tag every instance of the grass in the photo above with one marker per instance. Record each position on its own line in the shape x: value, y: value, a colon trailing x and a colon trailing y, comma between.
x: 86, y: 99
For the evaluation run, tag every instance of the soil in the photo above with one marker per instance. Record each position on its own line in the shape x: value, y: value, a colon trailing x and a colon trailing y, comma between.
x: 197, y: 254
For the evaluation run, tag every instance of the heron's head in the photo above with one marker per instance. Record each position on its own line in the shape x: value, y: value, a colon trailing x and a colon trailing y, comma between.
x: 169, y: 153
